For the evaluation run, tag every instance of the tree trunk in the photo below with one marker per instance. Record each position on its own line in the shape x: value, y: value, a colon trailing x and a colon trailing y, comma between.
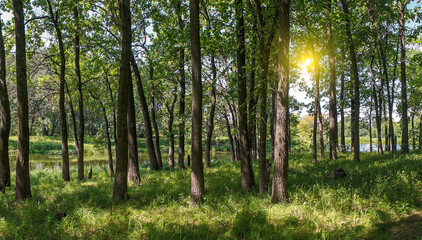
x: 356, y: 144
x: 342, y: 137
x: 23, y: 184
x: 248, y: 181
x: 212, y: 112
x: 229, y: 133
x: 333, y: 100
x: 113, y: 108
x: 107, y: 126
x: 80, y: 98
x: 413, y: 132
x: 420, y: 132
x: 405, y: 131
x: 370, y: 125
x: 73, y: 118
x: 170, y: 110
x: 133, y: 164
x: 5, y: 119
x: 281, y: 160
x: 197, y: 173
x: 314, y: 133
x: 252, y: 96
x: 148, y: 129
x: 375, y: 99
x: 181, y: 157
x: 120, y: 179
x: 154, y: 120
x: 63, y: 121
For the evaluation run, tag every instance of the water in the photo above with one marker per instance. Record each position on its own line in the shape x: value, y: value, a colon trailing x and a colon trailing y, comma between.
x: 41, y: 161
x: 365, y: 147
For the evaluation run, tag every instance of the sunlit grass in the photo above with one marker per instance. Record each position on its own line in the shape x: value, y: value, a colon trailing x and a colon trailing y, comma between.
x: 377, y: 191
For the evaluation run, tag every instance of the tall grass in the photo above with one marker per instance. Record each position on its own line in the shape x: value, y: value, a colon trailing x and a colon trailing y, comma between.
x: 375, y: 196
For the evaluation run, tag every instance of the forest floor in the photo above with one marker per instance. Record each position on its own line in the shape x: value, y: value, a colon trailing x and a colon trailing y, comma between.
x: 379, y: 199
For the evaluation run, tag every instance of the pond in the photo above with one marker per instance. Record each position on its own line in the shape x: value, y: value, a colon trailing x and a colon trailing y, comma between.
x: 39, y: 161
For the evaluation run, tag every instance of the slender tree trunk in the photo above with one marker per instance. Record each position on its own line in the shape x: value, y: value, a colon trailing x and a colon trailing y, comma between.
x: 314, y: 133
x: 5, y: 118
x: 80, y: 98
x: 197, y: 174
x: 107, y: 131
x: 23, y: 184
x: 375, y: 99
x: 120, y: 179
x: 63, y: 121
x: 281, y: 160
x: 170, y: 110
x: 229, y: 133
x: 154, y: 120
x: 413, y: 132
x: 342, y: 137
x: 405, y: 131
x: 356, y: 144
x: 321, y: 130
x: 133, y: 163
x: 333, y: 100
x: 252, y: 96
x: 113, y: 109
x: 420, y: 132
x: 390, y: 135
x: 73, y: 118
x: 148, y: 129
x: 248, y: 181
x: 212, y: 112
x: 181, y: 157
x: 370, y: 125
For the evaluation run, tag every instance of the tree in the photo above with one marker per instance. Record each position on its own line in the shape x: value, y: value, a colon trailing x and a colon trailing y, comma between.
x: 405, y: 132
x: 181, y: 157
x: 23, y: 184
x: 197, y: 174
x: 5, y: 118
x: 356, y: 146
x: 120, y: 179
x: 281, y: 149
x: 248, y: 182
x: 133, y: 164
x: 333, y: 101
x: 54, y: 18
x: 153, y: 118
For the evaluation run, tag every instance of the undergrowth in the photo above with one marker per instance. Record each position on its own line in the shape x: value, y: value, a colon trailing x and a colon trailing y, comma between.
x: 377, y: 193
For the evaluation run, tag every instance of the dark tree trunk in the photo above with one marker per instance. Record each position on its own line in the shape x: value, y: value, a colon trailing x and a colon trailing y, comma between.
x: 154, y: 120
x: 321, y: 127
x: 5, y: 119
x: 405, y: 131
x: 314, y: 133
x: 390, y: 135
x: 413, y: 132
x: 80, y: 98
x: 333, y: 100
x: 420, y: 132
x: 133, y: 164
x: 148, y: 129
x: 63, y: 121
x: 342, y: 137
x: 120, y: 178
x: 281, y: 160
x: 181, y: 157
x: 73, y: 118
x: 248, y: 181
x: 107, y: 127
x: 356, y: 144
x: 236, y: 140
x: 197, y: 173
x: 252, y: 96
x: 370, y: 125
x: 229, y: 133
x: 113, y: 108
x: 23, y: 184
x: 375, y: 99
x: 212, y: 112
x: 170, y: 110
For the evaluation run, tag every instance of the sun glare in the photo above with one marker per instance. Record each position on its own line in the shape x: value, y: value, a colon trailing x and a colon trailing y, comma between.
x: 304, y: 73
x: 307, y: 62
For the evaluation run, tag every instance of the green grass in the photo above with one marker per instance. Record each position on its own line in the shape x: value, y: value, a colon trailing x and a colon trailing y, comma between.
x: 373, y: 202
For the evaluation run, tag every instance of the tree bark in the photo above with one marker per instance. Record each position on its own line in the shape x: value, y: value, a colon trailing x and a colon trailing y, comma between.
x: 375, y: 99
x: 420, y: 132
x: 181, y: 157
x: 370, y: 125
x: 356, y: 145
x: 229, y: 133
x: 63, y: 121
x: 153, y: 118
x: 81, y: 117
x: 342, y: 137
x: 133, y: 164
x: 405, y: 131
x: 197, y: 173
x: 252, y: 95
x: 333, y: 100
x: 148, y: 129
x: 281, y: 160
x: 23, y: 184
x: 170, y: 110
x: 113, y: 109
x: 248, y: 181
x: 212, y: 112
x: 5, y: 118
x: 73, y: 118
x: 120, y: 178
x: 413, y: 132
